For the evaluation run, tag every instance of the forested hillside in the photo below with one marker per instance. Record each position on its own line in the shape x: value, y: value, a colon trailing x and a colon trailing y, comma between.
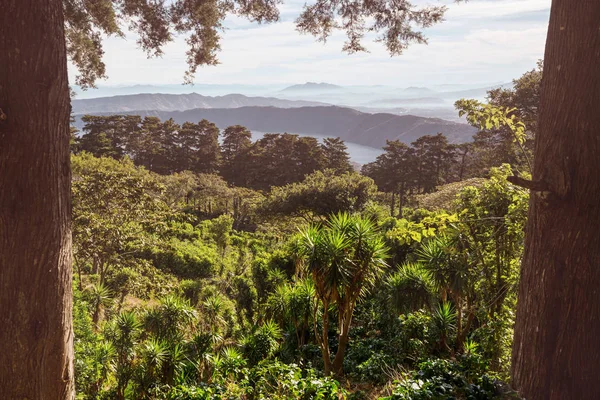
x: 350, y: 125
x: 168, y: 255
x: 208, y: 269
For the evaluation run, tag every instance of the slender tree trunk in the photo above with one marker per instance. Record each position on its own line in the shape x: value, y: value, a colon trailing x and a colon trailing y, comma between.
x: 343, y: 339
x: 36, y: 336
x: 393, y: 204
x: 326, y: 352
x: 462, y: 336
x: 459, y: 318
x: 463, y: 158
x: 556, y: 346
x: 401, y: 205
x: 338, y: 361
x: 97, y: 316
x: 323, y: 338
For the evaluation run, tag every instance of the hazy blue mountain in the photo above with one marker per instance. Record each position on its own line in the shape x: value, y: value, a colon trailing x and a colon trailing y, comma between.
x: 418, y: 91
x: 179, y: 102
x: 351, y: 125
x: 205, y: 89
x: 312, y: 87
x: 410, y: 101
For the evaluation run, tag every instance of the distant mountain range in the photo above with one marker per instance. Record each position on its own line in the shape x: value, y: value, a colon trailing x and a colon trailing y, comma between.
x: 180, y: 102
x: 351, y: 125
x: 418, y: 100
x: 312, y: 87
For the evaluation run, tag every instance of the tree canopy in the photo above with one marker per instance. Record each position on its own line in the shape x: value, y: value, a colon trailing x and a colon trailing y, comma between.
x: 157, y: 22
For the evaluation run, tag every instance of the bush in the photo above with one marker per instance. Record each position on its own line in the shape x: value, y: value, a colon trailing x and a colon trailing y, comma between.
x: 278, y: 381
x: 184, y: 259
x: 201, y: 392
x: 440, y: 379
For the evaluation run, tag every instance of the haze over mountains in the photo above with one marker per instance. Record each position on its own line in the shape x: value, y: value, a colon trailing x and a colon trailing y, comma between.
x: 364, y: 115
x: 179, y: 102
x: 351, y: 125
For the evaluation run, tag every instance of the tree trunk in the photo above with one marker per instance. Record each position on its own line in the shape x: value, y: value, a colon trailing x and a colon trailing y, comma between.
x: 325, y: 347
x: 36, y: 338
x: 323, y: 337
x: 343, y: 339
x: 393, y: 204
x: 338, y: 361
x: 401, y: 195
x: 462, y: 336
x: 556, y: 346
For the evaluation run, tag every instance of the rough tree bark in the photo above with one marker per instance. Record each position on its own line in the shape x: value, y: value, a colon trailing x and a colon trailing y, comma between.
x: 36, y: 337
x: 556, y: 346
x: 343, y: 339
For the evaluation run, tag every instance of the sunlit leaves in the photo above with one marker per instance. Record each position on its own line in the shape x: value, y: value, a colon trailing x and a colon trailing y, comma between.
x: 488, y: 116
x: 407, y: 232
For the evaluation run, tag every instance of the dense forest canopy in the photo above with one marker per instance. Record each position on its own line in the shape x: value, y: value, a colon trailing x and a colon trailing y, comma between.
x: 213, y: 269
x: 211, y: 266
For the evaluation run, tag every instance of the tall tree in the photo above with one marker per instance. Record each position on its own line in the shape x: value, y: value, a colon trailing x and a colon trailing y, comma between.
x: 556, y: 347
x: 154, y: 146
x: 344, y: 257
x: 495, y: 144
x: 433, y: 158
x: 35, y: 37
x: 36, y: 339
x: 335, y: 155
x: 108, y: 136
x: 198, y: 147
x: 393, y: 171
x: 281, y: 158
x: 237, y: 141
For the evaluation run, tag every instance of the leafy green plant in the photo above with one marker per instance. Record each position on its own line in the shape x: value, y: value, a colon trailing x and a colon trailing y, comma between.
x: 439, y: 379
x: 410, y: 289
x: 444, y: 319
x: 262, y: 343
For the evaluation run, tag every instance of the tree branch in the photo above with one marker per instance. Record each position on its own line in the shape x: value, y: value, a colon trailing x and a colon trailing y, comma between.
x: 536, y: 186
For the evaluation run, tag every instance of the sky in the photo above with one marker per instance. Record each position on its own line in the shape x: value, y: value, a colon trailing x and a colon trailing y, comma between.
x: 480, y: 42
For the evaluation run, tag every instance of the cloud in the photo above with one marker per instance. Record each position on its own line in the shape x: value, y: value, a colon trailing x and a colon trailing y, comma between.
x: 495, y: 8
x: 480, y: 41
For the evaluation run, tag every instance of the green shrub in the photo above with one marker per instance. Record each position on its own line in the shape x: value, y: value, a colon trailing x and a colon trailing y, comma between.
x: 183, y: 258
x: 200, y: 392
x: 277, y: 381
x: 440, y: 379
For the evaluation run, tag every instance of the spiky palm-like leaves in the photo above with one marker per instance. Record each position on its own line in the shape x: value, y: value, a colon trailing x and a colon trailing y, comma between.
x: 447, y: 271
x: 410, y: 289
x: 449, y: 268
x: 445, y: 321
x: 170, y: 318
x: 154, y: 354
x: 344, y: 257
x: 262, y: 343
x: 99, y: 297
x: 124, y: 333
x: 292, y: 306
x: 277, y: 303
x: 102, y: 363
x: 229, y: 362
x: 217, y: 312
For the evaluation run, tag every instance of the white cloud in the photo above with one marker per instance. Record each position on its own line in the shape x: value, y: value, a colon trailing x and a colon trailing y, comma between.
x: 480, y: 41
x: 495, y: 8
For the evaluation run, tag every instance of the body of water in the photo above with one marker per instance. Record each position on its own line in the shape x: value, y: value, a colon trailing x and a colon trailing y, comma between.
x: 358, y: 153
